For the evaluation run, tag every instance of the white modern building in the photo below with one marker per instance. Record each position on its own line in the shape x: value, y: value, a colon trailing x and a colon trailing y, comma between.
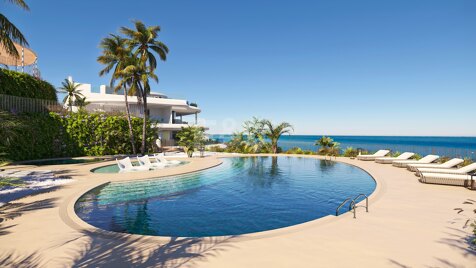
x: 168, y: 112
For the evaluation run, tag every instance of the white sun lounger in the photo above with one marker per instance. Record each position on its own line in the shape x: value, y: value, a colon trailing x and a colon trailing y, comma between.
x: 125, y: 165
x: 389, y: 160
x: 449, y: 179
x: 448, y: 164
x: 425, y: 160
x: 160, y: 158
x: 145, y: 161
x: 372, y: 157
x: 464, y: 170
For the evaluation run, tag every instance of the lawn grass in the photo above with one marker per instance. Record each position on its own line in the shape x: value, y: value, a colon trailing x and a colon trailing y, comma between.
x: 11, y: 182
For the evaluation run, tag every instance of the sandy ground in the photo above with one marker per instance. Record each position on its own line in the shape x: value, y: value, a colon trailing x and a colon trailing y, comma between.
x: 409, y: 224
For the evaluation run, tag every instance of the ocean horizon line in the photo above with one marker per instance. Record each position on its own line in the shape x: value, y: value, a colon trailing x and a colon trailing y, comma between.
x: 349, y: 135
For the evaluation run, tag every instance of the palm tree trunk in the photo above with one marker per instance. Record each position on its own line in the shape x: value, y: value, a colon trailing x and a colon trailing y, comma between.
x: 131, y: 133
x: 146, y: 115
x: 144, y: 125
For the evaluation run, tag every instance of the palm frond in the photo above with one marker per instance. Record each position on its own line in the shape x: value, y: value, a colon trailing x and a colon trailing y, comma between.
x: 9, y: 33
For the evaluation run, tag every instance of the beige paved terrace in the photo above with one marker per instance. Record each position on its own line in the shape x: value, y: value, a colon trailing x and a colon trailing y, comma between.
x: 410, y: 224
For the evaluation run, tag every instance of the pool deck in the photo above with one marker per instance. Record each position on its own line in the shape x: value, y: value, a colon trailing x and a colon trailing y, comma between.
x: 409, y: 224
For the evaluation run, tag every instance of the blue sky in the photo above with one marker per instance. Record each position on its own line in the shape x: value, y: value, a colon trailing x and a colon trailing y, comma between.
x: 400, y: 67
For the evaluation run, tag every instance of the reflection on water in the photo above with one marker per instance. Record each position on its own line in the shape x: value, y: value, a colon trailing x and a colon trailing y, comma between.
x: 261, y: 172
x: 243, y: 195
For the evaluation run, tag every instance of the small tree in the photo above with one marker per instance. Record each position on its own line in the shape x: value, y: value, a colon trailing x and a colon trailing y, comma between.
x: 274, y: 132
x: 72, y: 92
x: 191, y: 138
x: 327, y: 146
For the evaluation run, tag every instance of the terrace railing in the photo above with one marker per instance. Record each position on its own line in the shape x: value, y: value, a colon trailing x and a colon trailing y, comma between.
x: 14, y: 104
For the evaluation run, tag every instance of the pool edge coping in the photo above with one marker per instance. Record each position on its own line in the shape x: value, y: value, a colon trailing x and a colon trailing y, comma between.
x: 68, y: 215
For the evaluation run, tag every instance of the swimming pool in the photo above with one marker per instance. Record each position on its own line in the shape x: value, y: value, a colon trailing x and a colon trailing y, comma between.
x: 243, y: 195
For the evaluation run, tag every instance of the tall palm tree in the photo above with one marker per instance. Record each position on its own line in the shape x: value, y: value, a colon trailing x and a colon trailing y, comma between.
x: 274, y: 132
x: 116, y: 56
x: 9, y: 33
x: 144, y: 41
x: 72, y: 92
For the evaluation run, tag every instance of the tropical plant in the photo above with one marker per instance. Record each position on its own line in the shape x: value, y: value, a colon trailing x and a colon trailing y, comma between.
x: 351, y: 152
x: 9, y: 33
x: 254, y: 129
x: 295, y: 150
x: 238, y: 143
x: 76, y: 134
x: 216, y: 148
x: 466, y: 161
x: 255, y: 136
x: 417, y: 157
x: 70, y: 88
x: 395, y: 154
x: 324, y: 142
x: 24, y: 85
x: 7, y: 131
x: 116, y: 55
x: 143, y: 41
x: 273, y: 132
x: 191, y: 138
x: 81, y: 102
x: 443, y: 159
x: 327, y: 146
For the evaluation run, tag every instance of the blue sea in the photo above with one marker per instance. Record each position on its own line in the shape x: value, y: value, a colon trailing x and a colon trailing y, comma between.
x: 443, y: 146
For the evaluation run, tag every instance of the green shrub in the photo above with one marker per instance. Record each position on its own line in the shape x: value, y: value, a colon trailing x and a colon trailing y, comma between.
x: 191, y: 138
x: 216, y: 148
x: 38, y: 136
x: 467, y: 161
x: 295, y: 150
x: 351, y: 152
x: 24, y: 85
x: 395, y: 154
x: 327, y: 146
x: 416, y: 157
x: 443, y: 159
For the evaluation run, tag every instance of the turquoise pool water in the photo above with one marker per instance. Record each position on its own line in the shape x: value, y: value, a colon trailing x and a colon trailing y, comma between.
x: 243, y: 195
x: 115, y: 169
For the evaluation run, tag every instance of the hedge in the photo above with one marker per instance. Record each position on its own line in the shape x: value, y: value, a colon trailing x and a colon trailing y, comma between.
x: 25, y: 85
x: 39, y: 136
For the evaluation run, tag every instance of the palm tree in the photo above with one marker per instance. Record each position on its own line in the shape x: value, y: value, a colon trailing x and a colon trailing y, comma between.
x: 328, y: 146
x: 274, y: 132
x: 116, y: 56
x: 9, y: 33
x: 144, y: 40
x: 81, y: 102
x: 324, y: 142
x: 72, y: 92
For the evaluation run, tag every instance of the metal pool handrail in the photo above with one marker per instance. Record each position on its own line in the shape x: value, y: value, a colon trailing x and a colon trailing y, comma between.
x: 352, y: 205
x: 341, y: 205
